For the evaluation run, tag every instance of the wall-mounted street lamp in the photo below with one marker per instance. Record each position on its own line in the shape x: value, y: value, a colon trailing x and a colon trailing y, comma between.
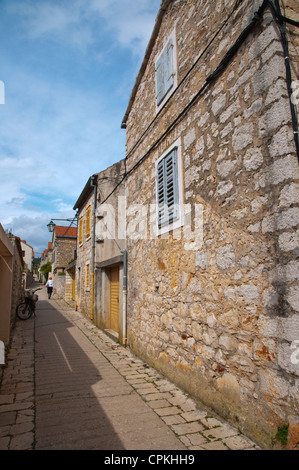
x: 51, y: 225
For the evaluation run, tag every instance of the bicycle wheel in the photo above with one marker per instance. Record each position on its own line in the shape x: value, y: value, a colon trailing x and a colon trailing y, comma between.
x: 23, y: 311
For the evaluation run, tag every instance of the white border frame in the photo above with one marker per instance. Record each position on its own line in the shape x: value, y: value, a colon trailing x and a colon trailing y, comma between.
x: 180, y: 221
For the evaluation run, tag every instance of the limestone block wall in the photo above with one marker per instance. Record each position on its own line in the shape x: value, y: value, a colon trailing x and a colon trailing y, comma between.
x: 219, y: 316
x: 64, y: 251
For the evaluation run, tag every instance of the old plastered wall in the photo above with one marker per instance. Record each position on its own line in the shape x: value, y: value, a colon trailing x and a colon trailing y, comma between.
x: 220, y: 316
x: 84, y: 258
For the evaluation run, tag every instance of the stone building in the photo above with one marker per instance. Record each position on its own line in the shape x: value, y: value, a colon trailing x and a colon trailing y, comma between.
x: 212, y: 194
x: 99, y: 263
x: 63, y: 252
x: 28, y: 255
x: 11, y: 281
x: 46, y: 257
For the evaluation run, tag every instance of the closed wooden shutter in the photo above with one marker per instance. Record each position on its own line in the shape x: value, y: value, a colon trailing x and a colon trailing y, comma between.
x: 114, y: 299
x: 81, y: 230
x: 169, y: 66
x: 160, y: 87
x: 88, y: 221
x: 167, y: 189
x: 164, y: 72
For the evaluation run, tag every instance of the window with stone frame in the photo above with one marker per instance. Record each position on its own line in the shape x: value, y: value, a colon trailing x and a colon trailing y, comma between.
x: 169, y: 190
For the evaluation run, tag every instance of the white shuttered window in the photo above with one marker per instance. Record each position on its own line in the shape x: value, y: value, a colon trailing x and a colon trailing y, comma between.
x: 167, y: 189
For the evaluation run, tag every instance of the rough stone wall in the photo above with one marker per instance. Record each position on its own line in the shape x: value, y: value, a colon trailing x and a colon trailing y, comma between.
x: 221, y: 318
x: 64, y: 251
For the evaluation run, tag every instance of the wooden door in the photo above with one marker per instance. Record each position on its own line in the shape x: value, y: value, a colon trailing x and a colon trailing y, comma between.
x: 114, y: 299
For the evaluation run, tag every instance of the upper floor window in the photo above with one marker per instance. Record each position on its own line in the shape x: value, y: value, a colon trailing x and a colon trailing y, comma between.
x: 88, y: 221
x: 166, y: 76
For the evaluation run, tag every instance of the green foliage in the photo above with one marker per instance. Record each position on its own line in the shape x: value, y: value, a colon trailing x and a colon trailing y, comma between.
x: 46, y: 269
x: 282, y: 434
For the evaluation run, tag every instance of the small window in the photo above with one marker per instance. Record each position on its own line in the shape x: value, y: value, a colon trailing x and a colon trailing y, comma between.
x: 166, y: 71
x: 168, y: 184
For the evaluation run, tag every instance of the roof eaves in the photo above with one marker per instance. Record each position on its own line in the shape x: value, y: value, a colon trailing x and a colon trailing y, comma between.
x: 162, y: 10
x: 85, y: 193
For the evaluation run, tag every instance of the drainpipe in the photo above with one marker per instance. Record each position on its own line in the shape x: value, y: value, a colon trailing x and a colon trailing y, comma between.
x: 124, y: 332
x: 94, y: 184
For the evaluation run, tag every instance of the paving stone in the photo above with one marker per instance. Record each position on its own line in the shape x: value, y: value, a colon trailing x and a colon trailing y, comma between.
x: 22, y: 442
x: 6, y: 399
x: 157, y: 396
x: 158, y: 404
x: 22, y: 428
x: 215, y: 445
x: 210, y: 422
x: 237, y: 443
x: 196, y: 439
x: 187, y: 428
x: 193, y: 415
x: 170, y: 410
x: 144, y: 392
x: 7, y: 417
x: 175, y: 419
x: 4, y: 443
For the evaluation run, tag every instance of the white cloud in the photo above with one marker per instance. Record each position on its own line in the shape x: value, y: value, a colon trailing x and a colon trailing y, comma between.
x: 63, y: 109
x: 131, y: 22
x: 44, y: 19
x: 32, y: 229
x: 80, y: 24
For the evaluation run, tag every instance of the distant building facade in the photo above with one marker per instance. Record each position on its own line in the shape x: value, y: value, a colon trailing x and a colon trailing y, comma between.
x: 99, y: 263
x: 63, y: 252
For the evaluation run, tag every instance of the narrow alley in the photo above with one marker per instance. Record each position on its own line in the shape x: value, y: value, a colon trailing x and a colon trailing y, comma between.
x: 68, y: 386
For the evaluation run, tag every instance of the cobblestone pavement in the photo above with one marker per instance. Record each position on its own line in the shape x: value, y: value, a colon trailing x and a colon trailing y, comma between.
x: 67, y: 385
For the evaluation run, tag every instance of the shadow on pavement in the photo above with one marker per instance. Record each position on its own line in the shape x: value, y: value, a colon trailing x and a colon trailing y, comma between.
x: 68, y: 370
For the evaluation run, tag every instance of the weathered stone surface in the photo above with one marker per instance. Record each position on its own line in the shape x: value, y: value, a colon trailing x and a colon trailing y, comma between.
x: 220, y: 318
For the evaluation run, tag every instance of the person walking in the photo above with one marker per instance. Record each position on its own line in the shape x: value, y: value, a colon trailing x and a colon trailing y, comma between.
x: 50, y: 286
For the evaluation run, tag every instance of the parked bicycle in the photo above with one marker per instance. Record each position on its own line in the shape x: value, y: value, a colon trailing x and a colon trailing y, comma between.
x: 26, y: 308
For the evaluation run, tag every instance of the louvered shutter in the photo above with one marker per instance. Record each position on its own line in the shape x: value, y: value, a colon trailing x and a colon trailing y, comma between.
x: 169, y: 66
x: 160, y: 67
x: 164, y: 72
x: 167, y: 189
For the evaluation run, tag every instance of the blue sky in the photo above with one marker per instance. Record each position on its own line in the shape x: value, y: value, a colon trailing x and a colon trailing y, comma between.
x: 68, y: 69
